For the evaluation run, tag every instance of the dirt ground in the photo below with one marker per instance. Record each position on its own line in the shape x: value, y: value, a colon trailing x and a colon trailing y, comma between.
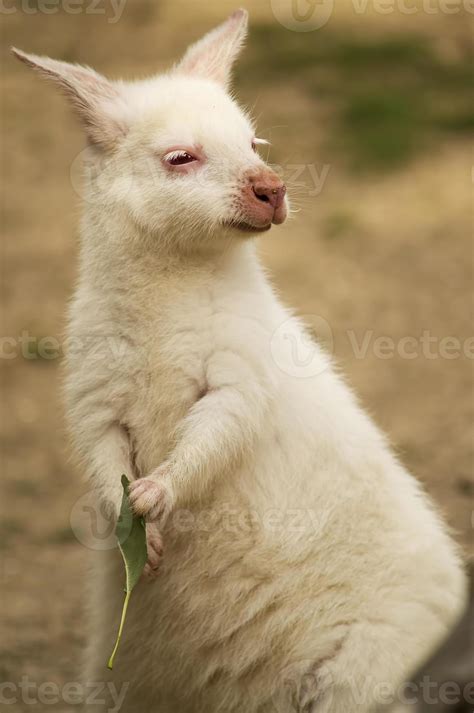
x: 378, y: 246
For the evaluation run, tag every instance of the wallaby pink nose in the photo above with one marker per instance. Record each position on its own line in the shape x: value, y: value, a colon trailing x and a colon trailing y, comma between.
x: 264, y: 197
x: 274, y: 195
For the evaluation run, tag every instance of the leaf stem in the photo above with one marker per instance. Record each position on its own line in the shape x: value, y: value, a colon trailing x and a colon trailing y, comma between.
x: 110, y: 664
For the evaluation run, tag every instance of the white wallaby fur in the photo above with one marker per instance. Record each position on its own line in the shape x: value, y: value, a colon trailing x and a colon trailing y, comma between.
x: 303, y: 567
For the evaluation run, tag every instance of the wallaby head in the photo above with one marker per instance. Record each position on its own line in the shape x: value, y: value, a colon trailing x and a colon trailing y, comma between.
x: 175, y: 151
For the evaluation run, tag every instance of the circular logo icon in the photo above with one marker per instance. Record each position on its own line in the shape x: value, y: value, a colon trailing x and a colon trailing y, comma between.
x: 297, y: 351
x: 303, y: 686
x: 92, y: 175
x: 303, y: 15
x: 93, y: 524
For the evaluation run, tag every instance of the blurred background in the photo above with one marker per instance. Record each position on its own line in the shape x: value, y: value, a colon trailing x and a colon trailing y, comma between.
x: 368, y: 106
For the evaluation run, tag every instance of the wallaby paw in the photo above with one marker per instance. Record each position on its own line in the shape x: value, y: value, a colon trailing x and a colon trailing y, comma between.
x: 150, y: 498
x: 155, y: 551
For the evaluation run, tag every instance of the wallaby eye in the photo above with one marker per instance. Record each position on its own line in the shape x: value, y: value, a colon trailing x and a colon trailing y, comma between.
x: 179, y: 158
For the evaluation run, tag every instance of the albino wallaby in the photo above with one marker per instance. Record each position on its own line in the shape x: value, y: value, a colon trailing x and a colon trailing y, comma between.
x: 303, y: 569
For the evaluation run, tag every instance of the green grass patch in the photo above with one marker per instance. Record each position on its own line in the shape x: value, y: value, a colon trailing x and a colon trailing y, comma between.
x: 380, y: 131
x: 338, y: 224
x: 385, y: 99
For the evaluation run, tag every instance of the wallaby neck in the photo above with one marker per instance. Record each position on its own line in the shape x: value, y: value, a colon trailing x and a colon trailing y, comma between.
x: 116, y: 254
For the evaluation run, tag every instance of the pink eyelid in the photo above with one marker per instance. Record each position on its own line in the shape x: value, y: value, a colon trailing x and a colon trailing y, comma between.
x: 195, y: 151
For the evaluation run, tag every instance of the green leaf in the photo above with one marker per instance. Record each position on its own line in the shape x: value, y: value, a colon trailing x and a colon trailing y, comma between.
x: 131, y: 537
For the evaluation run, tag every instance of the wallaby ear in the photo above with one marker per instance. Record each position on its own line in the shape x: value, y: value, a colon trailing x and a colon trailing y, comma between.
x: 96, y: 101
x: 213, y: 56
